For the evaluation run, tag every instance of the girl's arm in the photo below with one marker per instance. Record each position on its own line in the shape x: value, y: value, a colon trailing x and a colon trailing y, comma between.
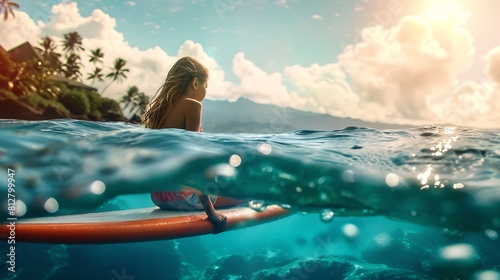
x: 193, y: 122
x: 193, y: 115
x: 219, y: 221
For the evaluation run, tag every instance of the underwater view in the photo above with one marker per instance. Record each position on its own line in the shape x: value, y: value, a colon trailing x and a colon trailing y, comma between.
x: 347, y: 139
x: 422, y: 203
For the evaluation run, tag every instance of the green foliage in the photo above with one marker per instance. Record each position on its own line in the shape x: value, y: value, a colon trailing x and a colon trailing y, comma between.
x: 38, y: 101
x: 8, y: 94
x: 96, y: 114
x: 75, y: 101
x: 108, y: 104
x: 95, y: 101
x: 31, y: 84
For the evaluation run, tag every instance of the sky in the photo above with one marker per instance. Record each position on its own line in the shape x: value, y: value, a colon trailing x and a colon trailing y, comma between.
x: 413, y: 62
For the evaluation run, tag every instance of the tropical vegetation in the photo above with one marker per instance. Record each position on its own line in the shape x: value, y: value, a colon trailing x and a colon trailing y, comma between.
x: 43, y: 82
x: 7, y: 8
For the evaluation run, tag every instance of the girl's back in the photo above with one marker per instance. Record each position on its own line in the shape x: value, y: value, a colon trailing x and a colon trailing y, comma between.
x: 183, y: 110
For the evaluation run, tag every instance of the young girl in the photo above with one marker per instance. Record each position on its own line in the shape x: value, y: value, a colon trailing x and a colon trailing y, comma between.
x: 177, y: 104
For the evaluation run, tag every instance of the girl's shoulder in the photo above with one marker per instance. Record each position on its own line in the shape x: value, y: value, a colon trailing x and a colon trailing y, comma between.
x: 189, y: 103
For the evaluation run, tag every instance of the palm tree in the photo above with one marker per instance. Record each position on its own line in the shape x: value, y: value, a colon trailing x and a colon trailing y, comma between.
x: 118, y: 72
x: 72, y: 67
x: 96, y: 56
x: 51, y: 64
x: 6, y: 7
x: 72, y: 42
x: 51, y: 57
x: 48, y: 45
x: 130, y: 96
x: 96, y: 75
x: 141, y: 102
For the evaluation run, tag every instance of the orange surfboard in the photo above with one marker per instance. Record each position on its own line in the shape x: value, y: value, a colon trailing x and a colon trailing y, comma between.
x: 134, y: 225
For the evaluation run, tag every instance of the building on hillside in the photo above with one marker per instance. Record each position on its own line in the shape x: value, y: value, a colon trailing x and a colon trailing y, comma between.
x: 25, y: 53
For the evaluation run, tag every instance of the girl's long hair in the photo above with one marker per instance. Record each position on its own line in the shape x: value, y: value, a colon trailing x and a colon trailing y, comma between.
x: 178, y: 79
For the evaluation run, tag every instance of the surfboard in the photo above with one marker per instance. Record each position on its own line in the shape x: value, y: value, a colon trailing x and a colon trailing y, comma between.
x: 134, y: 225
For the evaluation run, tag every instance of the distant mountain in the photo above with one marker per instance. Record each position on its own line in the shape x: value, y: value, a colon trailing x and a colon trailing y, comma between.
x: 245, y: 116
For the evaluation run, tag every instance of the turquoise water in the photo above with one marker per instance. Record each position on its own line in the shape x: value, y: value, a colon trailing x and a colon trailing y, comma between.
x: 369, y: 203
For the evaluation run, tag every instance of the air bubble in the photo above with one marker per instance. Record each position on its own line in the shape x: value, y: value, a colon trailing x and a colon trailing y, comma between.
x: 264, y: 148
x: 97, y: 187
x: 51, y: 205
x: 235, y: 160
x: 493, y: 235
x: 350, y: 231
x: 257, y: 205
x: 225, y: 170
x: 326, y: 215
x: 383, y: 239
x: 392, y: 180
x: 457, y: 252
x: 321, y: 180
x: 487, y: 275
x: 20, y: 208
x: 348, y: 176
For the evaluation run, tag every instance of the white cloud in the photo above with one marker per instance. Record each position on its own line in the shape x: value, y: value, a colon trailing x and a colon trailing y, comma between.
x: 493, y: 66
x: 476, y: 104
x: 403, y: 74
x: 317, y: 17
x: 260, y: 86
x: 16, y: 31
x: 130, y: 3
x: 397, y: 71
x: 324, y: 88
x: 147, y: 67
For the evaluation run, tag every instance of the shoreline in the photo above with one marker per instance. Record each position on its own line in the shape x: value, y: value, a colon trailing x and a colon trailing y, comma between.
x: 15, y: 109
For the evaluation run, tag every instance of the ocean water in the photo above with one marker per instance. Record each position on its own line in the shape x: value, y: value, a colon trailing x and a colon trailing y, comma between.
x: 421, y: 203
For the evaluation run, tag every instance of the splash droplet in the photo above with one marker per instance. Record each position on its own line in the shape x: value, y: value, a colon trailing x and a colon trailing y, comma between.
x: 326, y: 215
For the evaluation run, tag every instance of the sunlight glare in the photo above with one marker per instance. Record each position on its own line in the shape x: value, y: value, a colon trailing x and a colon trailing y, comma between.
x: 445, y: 10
